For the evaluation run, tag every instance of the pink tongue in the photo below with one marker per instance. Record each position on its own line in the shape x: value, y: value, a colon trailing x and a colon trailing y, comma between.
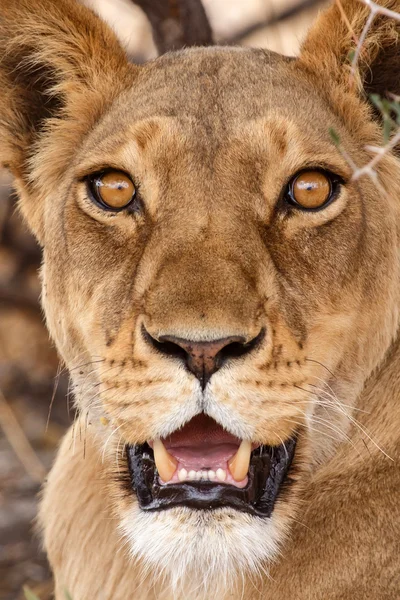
x: 202, y: 444
x: 204, y: 457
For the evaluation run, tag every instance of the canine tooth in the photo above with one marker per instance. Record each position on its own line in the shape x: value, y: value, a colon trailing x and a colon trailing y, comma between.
x: 182, y: 474
x: 211, y: 475
x: 165, y: 463
x: 221, y: 474
x: 239, y: 464
x: 192, y: 475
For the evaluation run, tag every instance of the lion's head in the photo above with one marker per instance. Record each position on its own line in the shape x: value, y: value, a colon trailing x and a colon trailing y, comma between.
x: 213, y: 275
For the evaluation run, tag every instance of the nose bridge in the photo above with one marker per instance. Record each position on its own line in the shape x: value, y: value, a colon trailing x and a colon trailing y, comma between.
x: 202, y: 291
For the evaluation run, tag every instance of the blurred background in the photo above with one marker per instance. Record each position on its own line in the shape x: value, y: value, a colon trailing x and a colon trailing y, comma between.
x: 35, y: 408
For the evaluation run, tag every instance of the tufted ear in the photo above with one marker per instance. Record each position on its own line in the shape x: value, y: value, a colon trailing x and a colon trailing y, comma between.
x: 60, y: 66
x: 332, y: 42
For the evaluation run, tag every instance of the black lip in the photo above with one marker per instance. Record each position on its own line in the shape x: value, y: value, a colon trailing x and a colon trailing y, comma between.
x: 269, y: 467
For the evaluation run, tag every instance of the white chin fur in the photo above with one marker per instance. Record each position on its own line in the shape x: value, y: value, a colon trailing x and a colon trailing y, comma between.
x: 201, y: 554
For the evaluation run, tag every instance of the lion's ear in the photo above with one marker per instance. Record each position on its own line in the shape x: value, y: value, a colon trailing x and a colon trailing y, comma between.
x: 333, y: 40
x: 60, y: 66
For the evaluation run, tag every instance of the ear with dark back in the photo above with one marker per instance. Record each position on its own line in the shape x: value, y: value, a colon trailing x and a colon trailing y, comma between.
x: 60, y: 67
x: 331, y: 45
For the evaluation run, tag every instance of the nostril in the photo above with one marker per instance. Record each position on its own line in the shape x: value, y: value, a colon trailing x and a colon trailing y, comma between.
x: 165, y: 346
x: 237, y: 349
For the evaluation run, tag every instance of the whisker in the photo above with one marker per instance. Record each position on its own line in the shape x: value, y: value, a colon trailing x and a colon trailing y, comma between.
x: 101, y: 373
x: 283, y: 444
x: 118, y: 452
x: 362, y: 429
x: 55, y: 388
x: 321, y: 365
x: 312, y: 429
x: 98, y: 394
x: 69, y: 391
x: 335, y: 399
x: 333, y: 395
x: 83, y: 365
x: 84, y: 441
x: 114, y: 431
x: 327, y: 424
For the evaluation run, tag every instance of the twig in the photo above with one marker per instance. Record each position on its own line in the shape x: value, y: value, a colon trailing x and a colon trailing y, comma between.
x: 380, y: 152
x: 375, y: 9
x: 19, y: 442
x: 381, y: 10
x: 346, y: 20
x: 364, y: 33
x: 368, y: 169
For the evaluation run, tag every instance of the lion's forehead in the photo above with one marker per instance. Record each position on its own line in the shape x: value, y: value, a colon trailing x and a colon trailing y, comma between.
x: 212, y: 95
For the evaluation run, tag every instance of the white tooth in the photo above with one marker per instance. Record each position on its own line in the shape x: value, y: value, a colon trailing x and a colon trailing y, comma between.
x: 192, y: 475
x: 211, y: 475
x: 198, y: 475
x: 239, y: 464
x: 182, y: 474
x: 165, y: 463
x: 204, y: 474
x: 221, y: 474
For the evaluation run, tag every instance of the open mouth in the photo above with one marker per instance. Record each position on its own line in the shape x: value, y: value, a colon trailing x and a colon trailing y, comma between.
x: 202, y: 466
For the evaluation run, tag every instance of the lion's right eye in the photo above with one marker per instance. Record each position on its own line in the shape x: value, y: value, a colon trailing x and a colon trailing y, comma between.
x: 112, y: 190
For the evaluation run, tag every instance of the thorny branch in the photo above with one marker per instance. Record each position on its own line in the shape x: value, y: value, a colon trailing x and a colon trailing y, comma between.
x: 368, y: 169
x: 360, y: 42
x: 375, y: 9
x: 380, y: 152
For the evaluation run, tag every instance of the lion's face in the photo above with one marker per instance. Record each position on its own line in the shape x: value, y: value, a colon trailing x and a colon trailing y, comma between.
x: 218, y: 311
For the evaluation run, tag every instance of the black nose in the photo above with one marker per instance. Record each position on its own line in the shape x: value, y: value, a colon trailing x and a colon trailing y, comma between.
x: 203, y: 359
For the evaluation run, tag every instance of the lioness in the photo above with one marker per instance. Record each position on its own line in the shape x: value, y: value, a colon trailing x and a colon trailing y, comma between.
x: 225, y: 294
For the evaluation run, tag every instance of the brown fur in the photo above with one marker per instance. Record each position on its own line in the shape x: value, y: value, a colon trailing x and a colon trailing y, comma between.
x: 211, y: 136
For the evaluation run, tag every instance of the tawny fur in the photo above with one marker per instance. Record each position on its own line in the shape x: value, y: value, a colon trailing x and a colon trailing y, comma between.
x: 211, y: 137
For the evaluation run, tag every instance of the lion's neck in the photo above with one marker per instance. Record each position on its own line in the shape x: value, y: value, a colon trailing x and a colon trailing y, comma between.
x: 378, y: 407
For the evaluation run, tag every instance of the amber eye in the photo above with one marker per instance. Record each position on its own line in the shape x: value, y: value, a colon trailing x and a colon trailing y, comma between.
x: 311, y: 190
x: 113, y: 190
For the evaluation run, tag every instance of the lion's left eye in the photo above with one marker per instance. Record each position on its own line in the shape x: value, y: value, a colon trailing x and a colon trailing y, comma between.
x: 112, y: 190
x: 311, y: 190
